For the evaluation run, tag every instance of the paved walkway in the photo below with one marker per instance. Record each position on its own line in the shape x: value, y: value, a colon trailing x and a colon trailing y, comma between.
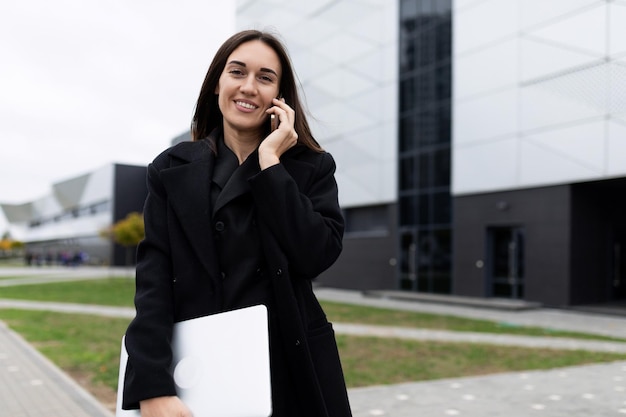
x: 30, y: 386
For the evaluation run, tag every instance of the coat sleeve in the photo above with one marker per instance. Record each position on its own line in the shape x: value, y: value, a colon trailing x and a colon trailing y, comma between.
x: 305, y: 218
x: 149, y: 334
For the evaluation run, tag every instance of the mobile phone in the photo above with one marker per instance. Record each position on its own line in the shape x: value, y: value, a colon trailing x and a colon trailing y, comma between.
x: 274, y: 119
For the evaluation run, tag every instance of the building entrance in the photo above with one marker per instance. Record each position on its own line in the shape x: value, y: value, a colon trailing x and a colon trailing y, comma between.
x: 505, y: 264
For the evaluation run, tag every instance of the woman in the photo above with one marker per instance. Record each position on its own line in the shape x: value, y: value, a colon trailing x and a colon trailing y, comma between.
x: 242, y: 215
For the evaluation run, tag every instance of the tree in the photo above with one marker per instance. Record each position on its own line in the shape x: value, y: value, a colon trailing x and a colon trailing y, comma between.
x: 127, y: 232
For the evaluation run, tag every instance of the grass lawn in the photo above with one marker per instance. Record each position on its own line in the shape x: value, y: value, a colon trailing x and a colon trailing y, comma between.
x: 119, y: 292
x: 107, y: 291
x: 87, y: 347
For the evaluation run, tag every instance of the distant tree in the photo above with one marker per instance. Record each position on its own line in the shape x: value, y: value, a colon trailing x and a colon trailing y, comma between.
x: 8, y: 246
x: 5, y: 244
x: 127, y: 232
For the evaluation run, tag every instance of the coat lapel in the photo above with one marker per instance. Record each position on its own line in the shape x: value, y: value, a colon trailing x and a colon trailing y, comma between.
x: 237, y: 184
x: 188, y: 182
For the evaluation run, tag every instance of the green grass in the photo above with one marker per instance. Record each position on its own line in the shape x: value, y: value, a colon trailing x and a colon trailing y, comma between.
x: 119, y: 292
x: 108, y: 291
x: 372, y: 361
x: 347, y: 313
x: 88, y: 346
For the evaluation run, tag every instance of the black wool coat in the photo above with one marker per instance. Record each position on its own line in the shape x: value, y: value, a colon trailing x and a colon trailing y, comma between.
x: 178, y: 277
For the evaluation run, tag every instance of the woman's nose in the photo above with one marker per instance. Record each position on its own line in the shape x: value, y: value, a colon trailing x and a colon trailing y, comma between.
x: 248, y: 85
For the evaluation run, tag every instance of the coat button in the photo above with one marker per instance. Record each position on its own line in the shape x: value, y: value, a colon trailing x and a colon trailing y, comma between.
x: 297, y: 342
x: 279, y: 271
x: 219, y: 226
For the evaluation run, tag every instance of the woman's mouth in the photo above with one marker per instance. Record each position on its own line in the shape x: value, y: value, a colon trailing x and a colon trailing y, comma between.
x: 246, y: 105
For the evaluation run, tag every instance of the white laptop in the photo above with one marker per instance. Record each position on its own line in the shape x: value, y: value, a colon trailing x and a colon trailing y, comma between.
x: 221, y: 365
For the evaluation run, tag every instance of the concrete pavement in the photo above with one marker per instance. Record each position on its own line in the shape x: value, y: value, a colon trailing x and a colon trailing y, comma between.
x: 30, y: 386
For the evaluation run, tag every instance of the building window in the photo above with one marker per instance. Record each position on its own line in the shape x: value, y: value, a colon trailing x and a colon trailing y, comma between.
x: 424, y: 144
x: 366, y: 221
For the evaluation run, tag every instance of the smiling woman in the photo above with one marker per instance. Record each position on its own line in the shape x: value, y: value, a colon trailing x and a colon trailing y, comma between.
x: 243, y: 215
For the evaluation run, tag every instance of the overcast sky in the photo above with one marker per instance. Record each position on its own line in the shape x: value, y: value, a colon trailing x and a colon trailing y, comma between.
x: 84, y: 83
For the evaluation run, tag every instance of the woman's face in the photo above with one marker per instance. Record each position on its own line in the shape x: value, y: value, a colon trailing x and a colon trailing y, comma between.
x: 249, y: 82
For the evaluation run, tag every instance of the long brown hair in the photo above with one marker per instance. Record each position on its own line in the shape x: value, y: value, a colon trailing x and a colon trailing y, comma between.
x: 208, y: 116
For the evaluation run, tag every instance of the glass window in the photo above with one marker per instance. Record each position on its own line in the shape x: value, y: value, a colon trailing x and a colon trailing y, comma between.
x: 367, y: 219
x: 441, y: 167
x: 442, y: 208
x: 424, y: 170
x: 443, y: 6
x: 101, y: 207
x: 408, y: 173
x: 424, y: 212
x: 407, y: 265
x: 408, y: 210
x: 425, y: 206
x: 408, y: 133
x: 408, y: 97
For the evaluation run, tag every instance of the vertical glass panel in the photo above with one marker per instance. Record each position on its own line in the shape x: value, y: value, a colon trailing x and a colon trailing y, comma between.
x: 408, y: 267
x: 441, y: 167
x: 426, y: 39
x: 408, y: 133
x: 425, y: 7
x: 424, y: 170
x: 425, y: 73
x: 442, y: 261
x: 506, y: 260
x: 444, y: 128
x: 442, y: 213
x: 443, y: 6
x: 424, y: 260
x: 424, y: 211
x: 444, y: 39
x: 408, y: 93
x: 408, y: 210
x: 408, y: 173
x: 427, y: 126
x: 408, y: 55
x: 444, y: 81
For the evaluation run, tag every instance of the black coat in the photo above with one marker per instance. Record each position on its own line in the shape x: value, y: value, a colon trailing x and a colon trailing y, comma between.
x: 178, y: 277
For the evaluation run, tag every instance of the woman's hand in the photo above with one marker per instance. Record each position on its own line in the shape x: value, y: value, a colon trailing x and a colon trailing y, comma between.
x: 281, y: 139
x: 164, y: 407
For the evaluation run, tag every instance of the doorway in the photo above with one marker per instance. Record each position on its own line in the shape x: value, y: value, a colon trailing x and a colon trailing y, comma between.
x: 505, y: 262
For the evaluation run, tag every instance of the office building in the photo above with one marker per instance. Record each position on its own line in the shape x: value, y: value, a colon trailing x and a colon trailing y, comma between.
x: 65, y: 226
x: 481, y: 144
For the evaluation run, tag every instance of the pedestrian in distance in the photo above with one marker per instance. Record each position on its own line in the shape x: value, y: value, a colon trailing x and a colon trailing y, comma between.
x: 246, y: 213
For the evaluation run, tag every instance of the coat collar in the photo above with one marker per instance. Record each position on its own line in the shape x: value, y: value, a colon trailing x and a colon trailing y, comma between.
x: 236, y: 181
x: 188, y: 183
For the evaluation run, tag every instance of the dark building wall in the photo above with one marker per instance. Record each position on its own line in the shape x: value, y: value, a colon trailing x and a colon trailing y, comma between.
x: 598, y: 217
x: 129, y: 194
x: 366, y: 262
x: 544, y: 215
x: 588, y: 246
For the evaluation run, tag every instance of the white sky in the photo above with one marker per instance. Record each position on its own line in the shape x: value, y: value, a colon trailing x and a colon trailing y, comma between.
x: 84, y: 83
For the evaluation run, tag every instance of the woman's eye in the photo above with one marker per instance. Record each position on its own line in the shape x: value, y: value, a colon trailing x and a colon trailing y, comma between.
x: 236, y: 72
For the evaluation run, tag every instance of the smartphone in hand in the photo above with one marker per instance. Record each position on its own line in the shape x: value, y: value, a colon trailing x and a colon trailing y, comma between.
x: 274, y: 119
